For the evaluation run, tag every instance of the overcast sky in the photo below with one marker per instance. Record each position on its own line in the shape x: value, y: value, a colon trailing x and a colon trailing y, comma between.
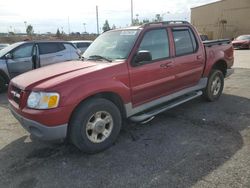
x: 48, y: 15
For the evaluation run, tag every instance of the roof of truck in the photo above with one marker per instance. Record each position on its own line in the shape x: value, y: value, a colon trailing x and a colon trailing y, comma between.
x: 163, y: 23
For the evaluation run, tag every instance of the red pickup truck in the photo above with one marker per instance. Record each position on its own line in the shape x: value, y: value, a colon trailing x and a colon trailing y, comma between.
x: 132, y: 73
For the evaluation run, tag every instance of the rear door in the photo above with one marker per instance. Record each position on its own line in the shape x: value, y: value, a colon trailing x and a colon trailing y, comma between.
x: 21, y: 60
x: 156, y: 78
x: 71, y: 52
x: 189, y: 57
x: 51, y: 52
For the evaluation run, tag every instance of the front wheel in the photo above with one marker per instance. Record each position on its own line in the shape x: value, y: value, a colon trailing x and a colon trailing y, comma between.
x: 95, y: 125
x: 214, y: 86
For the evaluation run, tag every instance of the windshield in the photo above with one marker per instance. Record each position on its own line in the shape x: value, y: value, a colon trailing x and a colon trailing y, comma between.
x: 112, y: 45
x: 9, y: 48
x: 243, y: 37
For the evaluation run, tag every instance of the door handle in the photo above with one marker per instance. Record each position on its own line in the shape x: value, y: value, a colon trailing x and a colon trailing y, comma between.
x: 166, y: 65
x: 199, y: 57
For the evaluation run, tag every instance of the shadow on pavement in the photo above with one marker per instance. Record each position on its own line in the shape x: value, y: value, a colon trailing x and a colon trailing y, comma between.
x: 176, y: 149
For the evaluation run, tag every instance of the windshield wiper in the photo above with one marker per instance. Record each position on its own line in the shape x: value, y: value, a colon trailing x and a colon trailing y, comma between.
x: 99, y: 57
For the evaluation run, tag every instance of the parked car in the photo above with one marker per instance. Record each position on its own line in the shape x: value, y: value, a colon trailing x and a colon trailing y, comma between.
x: 25, y: 56
x: 242, y: 42
x: 133, y: 73
x: 3, y: 45
x: 82, y: 45
x: 203, y: 37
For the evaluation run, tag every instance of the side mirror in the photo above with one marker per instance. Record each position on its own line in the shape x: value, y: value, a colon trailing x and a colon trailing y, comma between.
x: 142, y: 56
x: 9, y: 56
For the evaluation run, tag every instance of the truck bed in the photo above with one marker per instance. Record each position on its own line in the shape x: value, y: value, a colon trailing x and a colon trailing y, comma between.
x: 210, y: 43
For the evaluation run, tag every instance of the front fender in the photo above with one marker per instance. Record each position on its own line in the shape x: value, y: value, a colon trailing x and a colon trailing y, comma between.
x: 81, y: 92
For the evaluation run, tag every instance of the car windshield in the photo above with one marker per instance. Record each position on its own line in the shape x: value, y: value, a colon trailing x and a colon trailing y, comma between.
x: 243, y: 37
x: 112, y: 45
x: 9, y: 48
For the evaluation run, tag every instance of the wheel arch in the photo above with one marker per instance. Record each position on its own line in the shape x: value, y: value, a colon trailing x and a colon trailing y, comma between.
x: 5, y: 76
x: 220, y: 65
x: 111, y: 96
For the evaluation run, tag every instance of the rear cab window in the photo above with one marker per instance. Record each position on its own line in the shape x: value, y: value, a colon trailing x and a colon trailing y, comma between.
x: 184, y: 41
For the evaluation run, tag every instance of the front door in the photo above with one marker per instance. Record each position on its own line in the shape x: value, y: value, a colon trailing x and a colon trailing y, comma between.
x: 151, y: 80
x: 21, y: 60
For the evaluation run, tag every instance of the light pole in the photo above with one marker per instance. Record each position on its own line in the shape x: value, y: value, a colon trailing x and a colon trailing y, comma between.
x: 132, y: 12
x: 84, y: 25
x: 25, y: 25
x: 97, y: 20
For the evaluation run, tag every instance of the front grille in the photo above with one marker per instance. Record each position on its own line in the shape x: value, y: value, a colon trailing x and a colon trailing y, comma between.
x: 237, y: 45
x: 15, y: 93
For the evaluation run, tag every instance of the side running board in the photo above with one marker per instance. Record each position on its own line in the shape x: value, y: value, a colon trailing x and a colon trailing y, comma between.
x: 149, y: 115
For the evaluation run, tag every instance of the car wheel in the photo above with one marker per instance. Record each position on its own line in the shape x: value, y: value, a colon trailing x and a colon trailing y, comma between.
x: 214, y: 86
x: 95, y: 125
x: 2, y: 84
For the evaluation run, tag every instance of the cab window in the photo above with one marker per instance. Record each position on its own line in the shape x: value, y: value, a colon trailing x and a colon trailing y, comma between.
x: 157, y: 43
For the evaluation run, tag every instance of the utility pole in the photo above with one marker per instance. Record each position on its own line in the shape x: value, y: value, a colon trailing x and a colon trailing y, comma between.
x: 97, y: 20
x: 25, y: 24
x: 84, y: 25
x: 132, y: 12
x: 68, y: 25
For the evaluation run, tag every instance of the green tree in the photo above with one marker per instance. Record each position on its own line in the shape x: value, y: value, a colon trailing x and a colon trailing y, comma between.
x: 158, y: 18
x: 106, y: 26
x: 138, y: 22
x: 58, y: 34
x: 29, y: 30
x: 144, y: 21
x: 11, y: 33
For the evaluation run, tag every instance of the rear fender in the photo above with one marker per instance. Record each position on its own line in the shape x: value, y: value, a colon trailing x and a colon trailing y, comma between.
x: 218, y: 54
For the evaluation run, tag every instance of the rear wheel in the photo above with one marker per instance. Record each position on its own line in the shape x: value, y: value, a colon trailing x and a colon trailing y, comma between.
x: 214, y: 86
x: 95, y: 125
x: 3, y: 84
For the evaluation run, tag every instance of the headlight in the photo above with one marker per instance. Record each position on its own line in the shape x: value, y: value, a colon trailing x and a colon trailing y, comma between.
x: 43, y: 100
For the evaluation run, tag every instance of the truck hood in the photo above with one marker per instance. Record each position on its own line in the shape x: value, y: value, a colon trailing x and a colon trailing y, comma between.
x: 35, y: 77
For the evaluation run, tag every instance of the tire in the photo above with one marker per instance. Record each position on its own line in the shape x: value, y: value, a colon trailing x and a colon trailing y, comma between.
x: 215, y: 86
x: 95, y: 125
x: 2, y: 84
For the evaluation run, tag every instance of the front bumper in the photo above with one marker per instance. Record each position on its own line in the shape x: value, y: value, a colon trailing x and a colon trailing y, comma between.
x: 41, y: 131
x: 229, y: 72
x: 241, y: 46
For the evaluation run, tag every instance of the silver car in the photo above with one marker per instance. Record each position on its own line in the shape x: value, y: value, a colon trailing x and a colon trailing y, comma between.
x: 3, y: 45
x: 25, y: 56
x: 82, y: 45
